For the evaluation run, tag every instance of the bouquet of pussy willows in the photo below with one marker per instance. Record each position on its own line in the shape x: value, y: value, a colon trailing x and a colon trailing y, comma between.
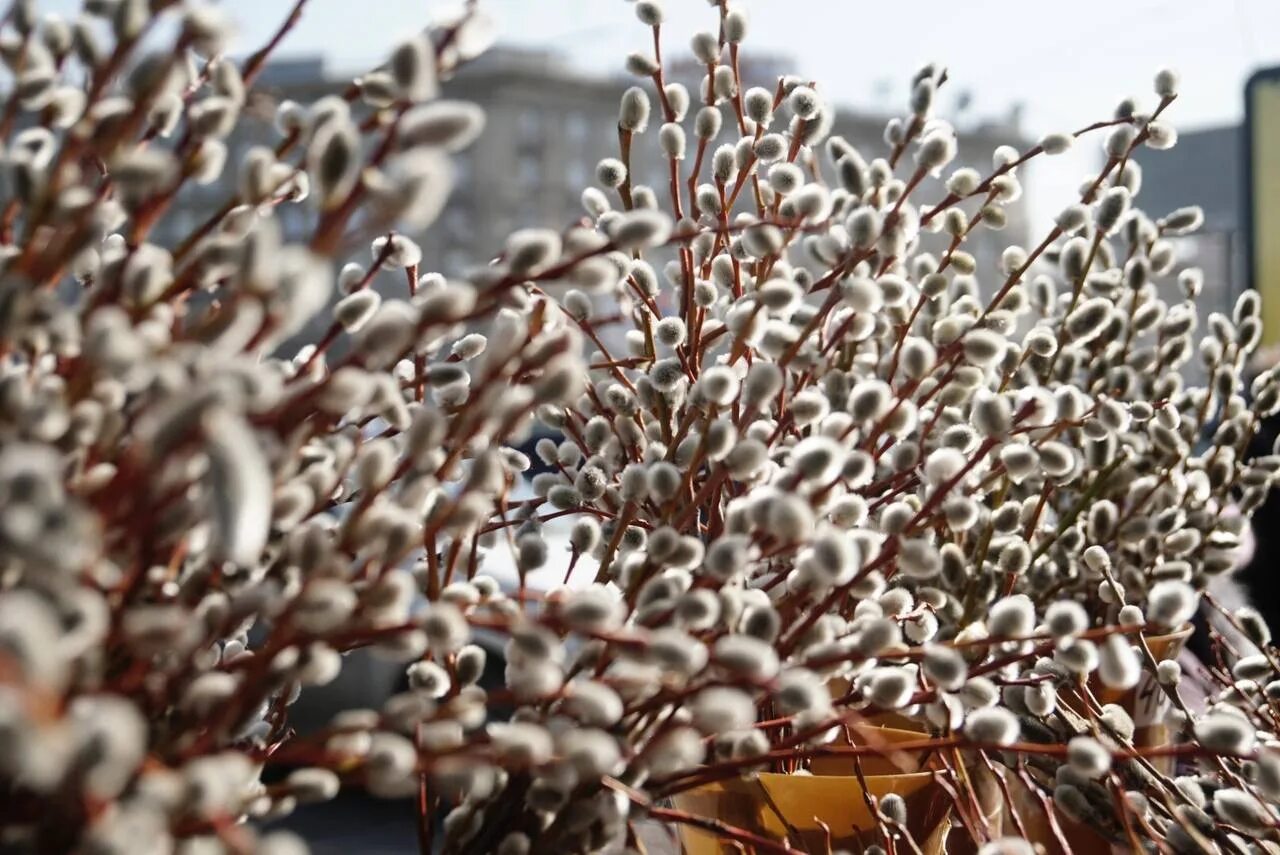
x: 839, y: 540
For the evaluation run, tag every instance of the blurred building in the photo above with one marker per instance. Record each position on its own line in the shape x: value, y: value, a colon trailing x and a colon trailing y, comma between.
x: 547, y: 126
x: 1205, y: 168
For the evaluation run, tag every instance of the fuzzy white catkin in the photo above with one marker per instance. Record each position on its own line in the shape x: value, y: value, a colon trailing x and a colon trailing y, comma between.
x: 611, y: 172
x: 1166, y: 83
x: 355, y: 310
x: 1056, y: 143
x: 671, y: 137
x: 817, y: 458
x: 1012, y: 617
x: 1111, y: 208
x: 770, y: 147
x: 718, y: 709
x: 706, y: 48
x: 1182, y: 220
x: 450, y: 125
x: 650, y: 12
x: 1242, y: 810
x: 530, y: 250
x: 1118, y: 663
x: 1088, y: 756
x: 333, y: 162
x: 1040, y: 699
x: 804, y: 102
x: 240, y: 483
x: 919, y: 559
x: 735, y: 25
x: 1088, y: 319
x: 834, y: 556
x: 312, y: 784
x: 992, y: 725
x: 763, y: 381
x: 889, y: 688
x: 1007, y: 846
x: 396, y: 251
x: 964, y: 181
x: 1072, y: 218
x: 1254, y: 625
x: 633, y: 110
x: 1120, y: 140
x: 707, y: 122
x: 944, y: 666
x: 1168, y: 672
x: 640, y: 229
x: 413, y: 68
x: 1065, y: 618
x: 1220, y: 731
x: 983, y: 347
x: 936, y: 151
x: 678, y: 99
x: 1171, y: 603
x: 782, y: 418
x: 943, y: 465
x: 758, y: 104
x: 992, y: 414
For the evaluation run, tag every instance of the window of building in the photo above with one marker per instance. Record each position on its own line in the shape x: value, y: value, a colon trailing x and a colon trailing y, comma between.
x: 178, y: 226
x: 529, y: 127
x: 293, y: 221
x: 456, y: 261
x: 577, y: 174
x: 657, y: 178
x: 458, y: 222
x: 529, y: 171
x: 463, y: 170
x: 529, y: 211
x: 1190, y: 248
x: 576, y: 130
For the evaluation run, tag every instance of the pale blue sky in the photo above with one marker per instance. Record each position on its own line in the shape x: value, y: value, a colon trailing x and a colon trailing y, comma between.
x: 1067, y: 63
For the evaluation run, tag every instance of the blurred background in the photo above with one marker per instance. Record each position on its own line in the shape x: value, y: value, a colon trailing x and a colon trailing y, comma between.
x: 1017, y: 71
x: 550, y: 88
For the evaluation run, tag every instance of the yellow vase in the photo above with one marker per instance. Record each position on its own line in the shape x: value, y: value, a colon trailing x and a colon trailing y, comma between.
x: 1147, y: 704
x: 795, y: 808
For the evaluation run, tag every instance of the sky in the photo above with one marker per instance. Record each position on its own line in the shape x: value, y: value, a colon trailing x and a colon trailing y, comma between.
x: 1066, y: 64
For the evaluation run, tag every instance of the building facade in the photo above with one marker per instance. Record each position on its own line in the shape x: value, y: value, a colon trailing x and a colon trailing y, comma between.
x: 1205, y: 168
x: 547, y: 126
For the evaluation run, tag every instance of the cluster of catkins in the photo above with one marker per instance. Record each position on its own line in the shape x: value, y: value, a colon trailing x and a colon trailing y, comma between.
x: 826, y: 449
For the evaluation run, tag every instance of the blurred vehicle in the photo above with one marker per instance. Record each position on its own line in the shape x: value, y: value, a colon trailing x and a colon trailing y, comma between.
x: 368, y: 679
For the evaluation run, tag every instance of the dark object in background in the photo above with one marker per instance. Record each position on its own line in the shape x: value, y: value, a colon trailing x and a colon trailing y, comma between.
x: 356, y: 822
x: 529, y: 449
x: 1261, y: 575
